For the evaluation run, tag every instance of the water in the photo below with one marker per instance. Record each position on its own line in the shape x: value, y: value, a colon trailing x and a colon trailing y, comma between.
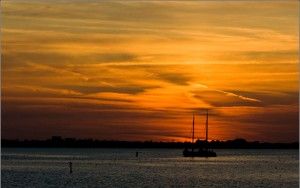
x: 153, y: 168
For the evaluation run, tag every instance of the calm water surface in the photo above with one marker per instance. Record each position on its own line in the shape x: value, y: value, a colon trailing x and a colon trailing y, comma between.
x: 153, y: 168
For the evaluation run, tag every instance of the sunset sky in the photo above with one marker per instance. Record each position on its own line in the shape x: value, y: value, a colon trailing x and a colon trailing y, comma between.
x: 137, y: 70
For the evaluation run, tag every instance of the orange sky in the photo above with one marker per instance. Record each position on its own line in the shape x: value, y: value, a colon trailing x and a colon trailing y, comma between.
x: 131, y: 70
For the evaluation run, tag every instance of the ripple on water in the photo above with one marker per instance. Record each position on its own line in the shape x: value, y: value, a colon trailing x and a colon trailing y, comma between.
x: 153, y: 168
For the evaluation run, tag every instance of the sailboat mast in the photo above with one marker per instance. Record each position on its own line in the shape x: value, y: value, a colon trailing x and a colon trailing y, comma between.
x: 206, y: 137
x: 193, y: 128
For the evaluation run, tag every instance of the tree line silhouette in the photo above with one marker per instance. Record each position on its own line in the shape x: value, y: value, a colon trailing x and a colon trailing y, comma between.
x: 59, y: 142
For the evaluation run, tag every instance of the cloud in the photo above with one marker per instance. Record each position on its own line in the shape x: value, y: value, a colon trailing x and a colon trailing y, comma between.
x: 274, y: 56
x: 174, y: 78
x: 83, y: 118
x: 106, y: 89
x: 56, y: 59
x: 128, y: 69
x: 115, y: 57
x: 220, y: 98
x: 239, y: 96
x: 272, y: 98
x: 275, y: 122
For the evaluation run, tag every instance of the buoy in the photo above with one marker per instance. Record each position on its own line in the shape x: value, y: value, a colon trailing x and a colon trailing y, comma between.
x: 70, y: 166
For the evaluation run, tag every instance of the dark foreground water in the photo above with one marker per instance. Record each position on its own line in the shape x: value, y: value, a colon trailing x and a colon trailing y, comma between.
x: 153, y: 168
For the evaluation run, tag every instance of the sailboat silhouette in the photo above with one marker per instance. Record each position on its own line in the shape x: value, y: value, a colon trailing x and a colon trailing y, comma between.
x: 199, y: 149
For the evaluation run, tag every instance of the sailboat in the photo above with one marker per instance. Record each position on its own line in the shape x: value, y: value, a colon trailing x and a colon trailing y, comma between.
x: 199, y: 149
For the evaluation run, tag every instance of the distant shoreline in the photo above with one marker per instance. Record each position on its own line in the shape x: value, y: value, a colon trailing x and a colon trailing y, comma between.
x: 58, y: 142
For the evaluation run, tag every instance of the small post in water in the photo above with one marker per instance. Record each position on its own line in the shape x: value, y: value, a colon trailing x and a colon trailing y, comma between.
x: 136, y: 154
x: 70, y: 166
